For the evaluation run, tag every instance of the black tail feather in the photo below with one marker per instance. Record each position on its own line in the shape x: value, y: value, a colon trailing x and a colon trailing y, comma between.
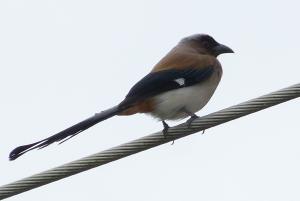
x: 65, y: 134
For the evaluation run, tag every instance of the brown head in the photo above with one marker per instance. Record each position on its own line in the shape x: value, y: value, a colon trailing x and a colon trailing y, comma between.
x: 206, y: 44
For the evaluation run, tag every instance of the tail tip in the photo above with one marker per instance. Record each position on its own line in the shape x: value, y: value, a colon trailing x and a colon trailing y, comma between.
x: 17, y: 152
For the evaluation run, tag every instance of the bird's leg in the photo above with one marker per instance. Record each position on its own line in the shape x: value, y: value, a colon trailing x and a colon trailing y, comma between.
x: 193, y: 116
x: 166, y: 128
x: 191, y: 119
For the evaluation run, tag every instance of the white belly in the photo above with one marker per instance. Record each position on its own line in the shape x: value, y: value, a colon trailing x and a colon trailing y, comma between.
x: 173, y: 104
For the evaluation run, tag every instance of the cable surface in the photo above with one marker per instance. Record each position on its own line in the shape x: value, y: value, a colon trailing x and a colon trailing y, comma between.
x: 149, y: 141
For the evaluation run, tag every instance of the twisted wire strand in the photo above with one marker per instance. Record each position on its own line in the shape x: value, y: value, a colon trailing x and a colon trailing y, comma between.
x: 149, y: 141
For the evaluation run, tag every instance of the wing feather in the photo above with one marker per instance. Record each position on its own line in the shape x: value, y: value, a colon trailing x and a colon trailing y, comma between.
x: 162, y: 81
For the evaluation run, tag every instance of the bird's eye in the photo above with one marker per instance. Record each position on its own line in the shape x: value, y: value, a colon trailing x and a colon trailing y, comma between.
x: 206, y: 44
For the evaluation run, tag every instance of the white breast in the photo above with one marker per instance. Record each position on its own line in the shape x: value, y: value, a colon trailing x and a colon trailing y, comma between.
x: 171, y: 105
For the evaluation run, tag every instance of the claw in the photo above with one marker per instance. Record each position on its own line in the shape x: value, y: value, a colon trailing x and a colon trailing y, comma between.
x: 191, y: 119
x: 166, y: 128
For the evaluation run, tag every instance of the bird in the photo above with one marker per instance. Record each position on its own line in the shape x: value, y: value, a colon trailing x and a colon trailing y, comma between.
x: 177, y: 87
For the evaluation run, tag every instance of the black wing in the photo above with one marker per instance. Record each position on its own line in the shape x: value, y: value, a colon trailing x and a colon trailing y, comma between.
x: 166, y: 80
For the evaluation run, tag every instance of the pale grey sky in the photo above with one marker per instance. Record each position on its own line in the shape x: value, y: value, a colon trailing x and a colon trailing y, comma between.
x: 61, y: 61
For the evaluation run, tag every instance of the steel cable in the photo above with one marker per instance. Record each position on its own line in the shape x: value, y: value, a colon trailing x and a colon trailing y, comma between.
x: 149, y: 141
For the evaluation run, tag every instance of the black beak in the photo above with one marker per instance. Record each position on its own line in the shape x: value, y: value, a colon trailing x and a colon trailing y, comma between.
x: 221, y: 49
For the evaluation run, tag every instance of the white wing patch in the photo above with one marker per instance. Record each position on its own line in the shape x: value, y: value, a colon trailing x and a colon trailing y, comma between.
x: 180, y: 81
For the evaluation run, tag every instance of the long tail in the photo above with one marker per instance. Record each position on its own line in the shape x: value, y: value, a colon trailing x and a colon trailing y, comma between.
x: 67, y: 133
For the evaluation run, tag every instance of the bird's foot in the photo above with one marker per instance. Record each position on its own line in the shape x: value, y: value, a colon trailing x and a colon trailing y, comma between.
x: 166, y: 128
x: 191, y: 119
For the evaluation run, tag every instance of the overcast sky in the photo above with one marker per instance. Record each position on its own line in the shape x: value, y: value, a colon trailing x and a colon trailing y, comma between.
x: 61, y: 61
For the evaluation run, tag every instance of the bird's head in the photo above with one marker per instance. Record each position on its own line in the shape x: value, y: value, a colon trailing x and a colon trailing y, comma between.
x: 206, y: 44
